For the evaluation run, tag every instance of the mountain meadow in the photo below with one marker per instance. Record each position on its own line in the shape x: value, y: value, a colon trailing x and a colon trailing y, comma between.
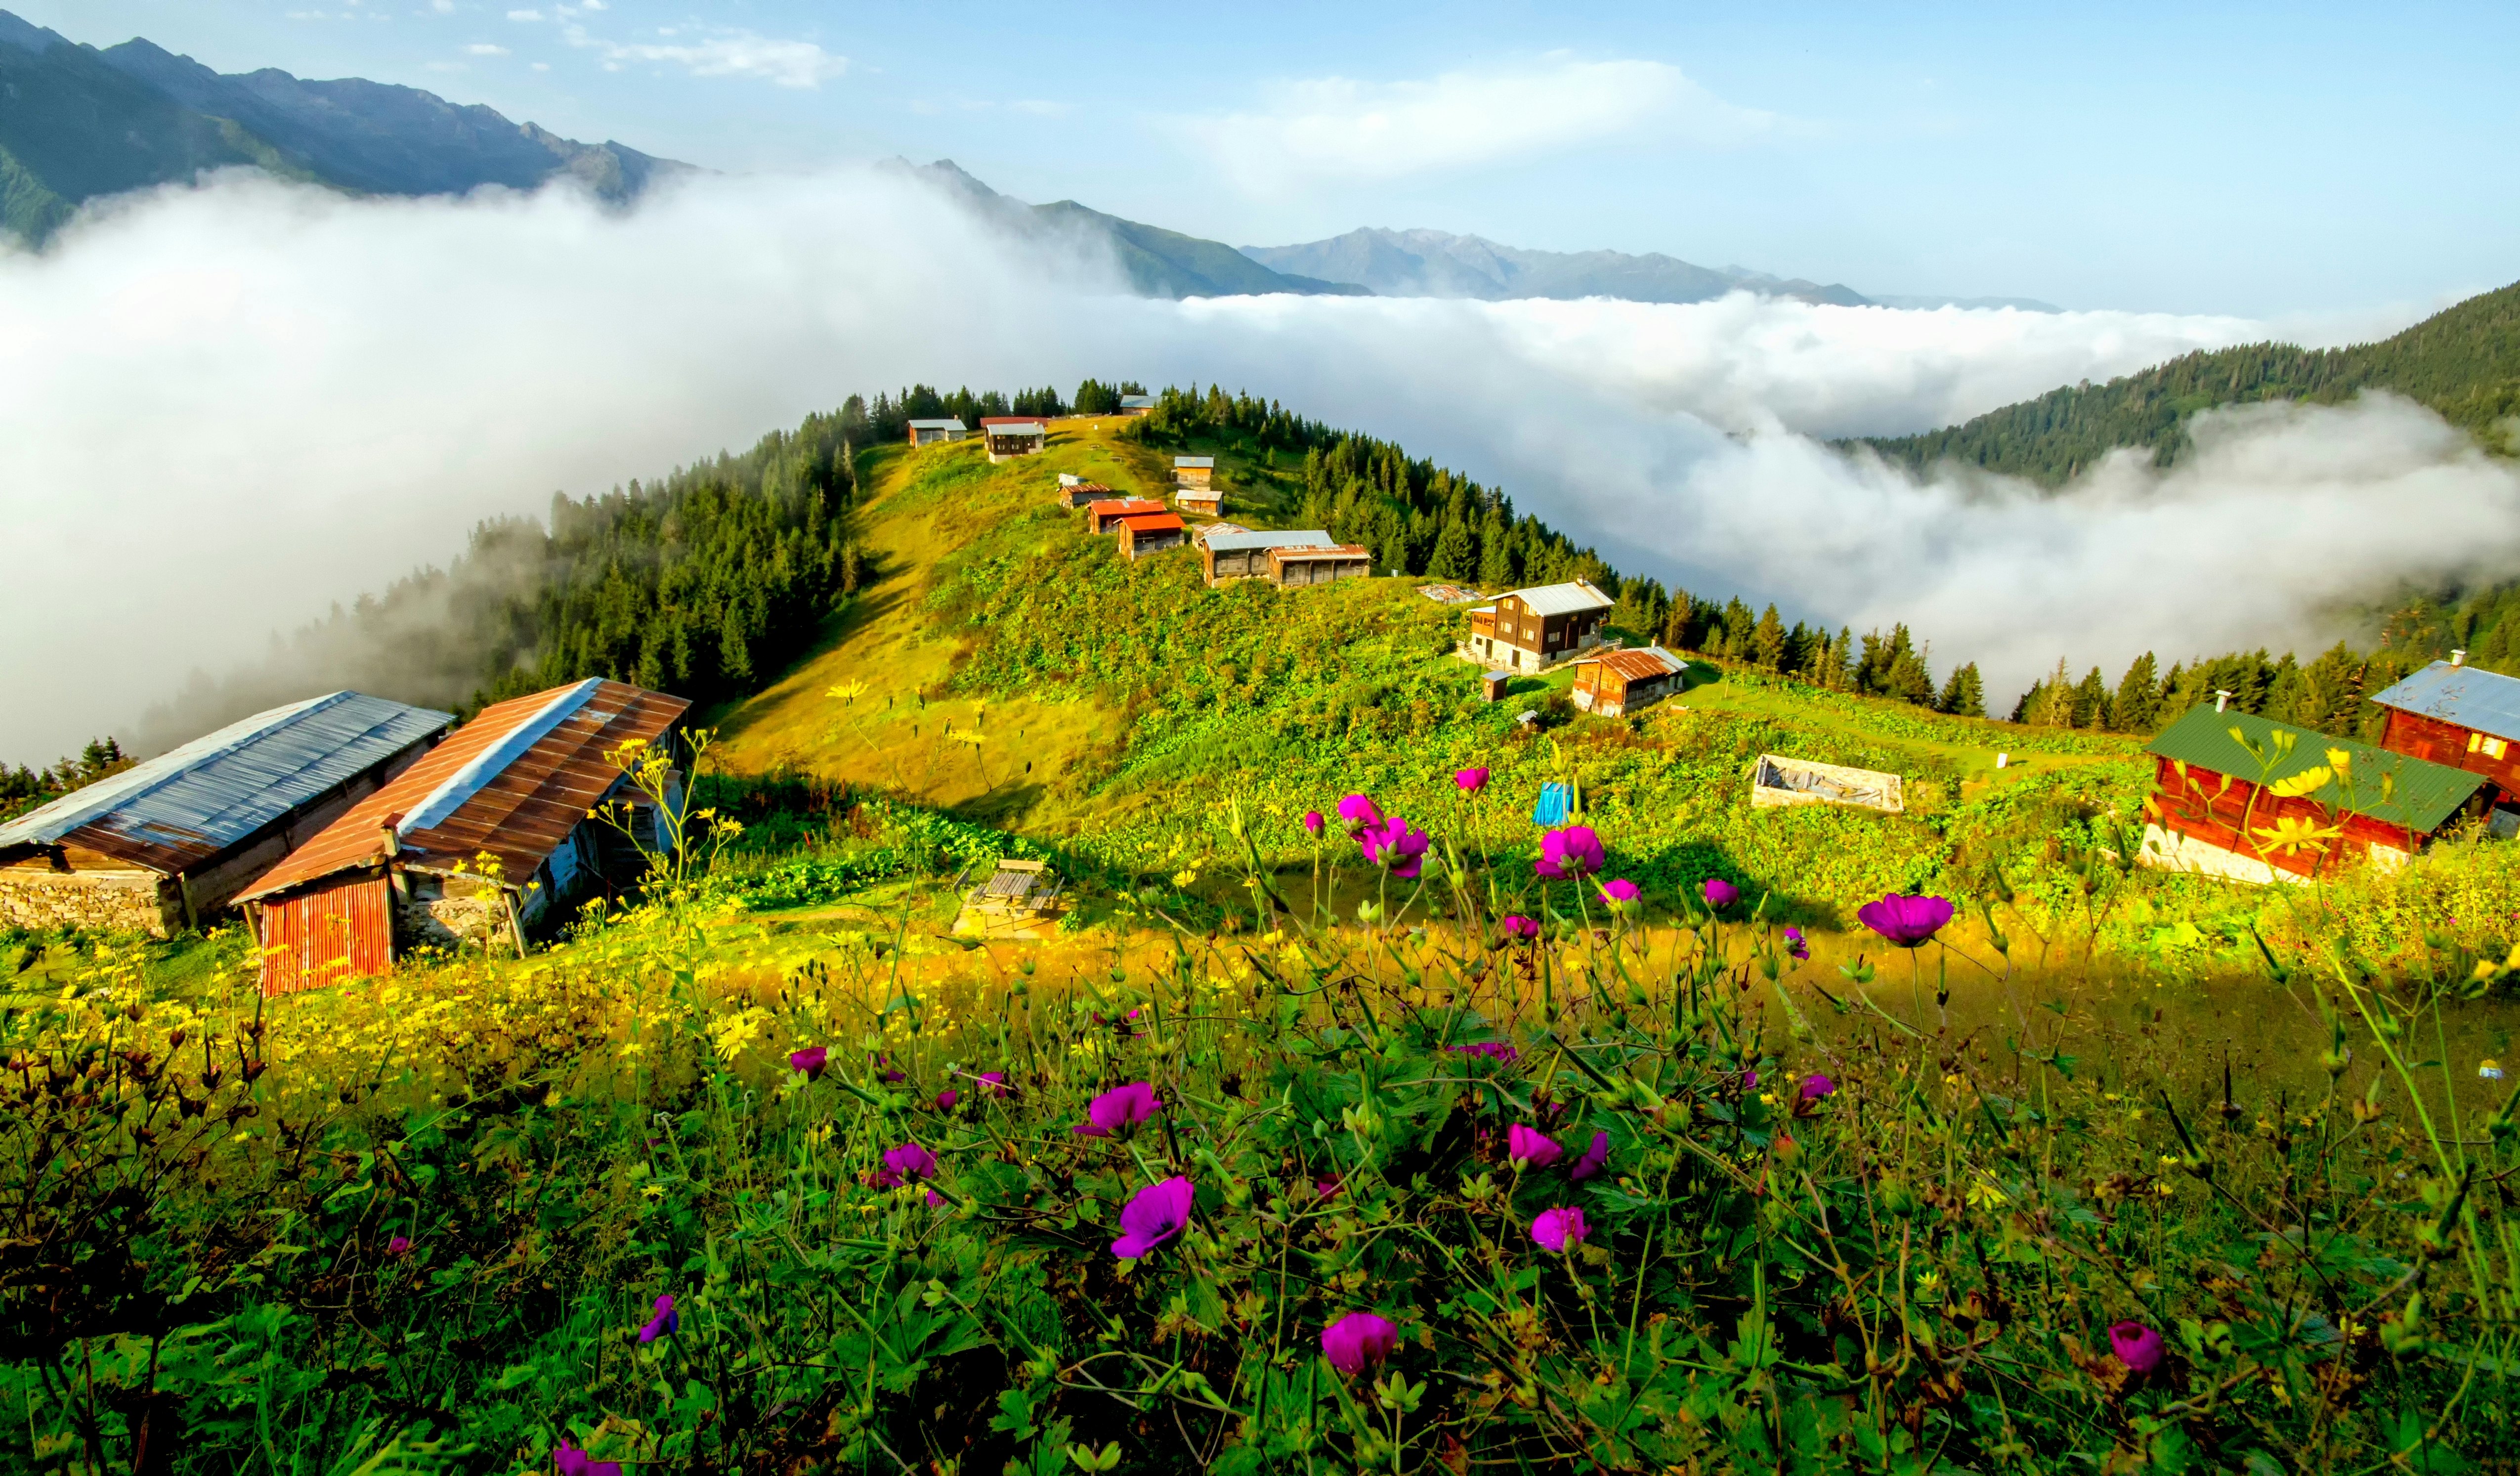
x: 1405, y: 1075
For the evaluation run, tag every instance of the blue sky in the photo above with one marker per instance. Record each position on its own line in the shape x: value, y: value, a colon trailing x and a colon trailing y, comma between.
x: 2271, y: 161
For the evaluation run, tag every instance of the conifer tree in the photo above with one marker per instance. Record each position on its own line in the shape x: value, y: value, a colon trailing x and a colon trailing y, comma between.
x: 2138, y: 696
x: 1768, y: 639
x: 1964, y: 694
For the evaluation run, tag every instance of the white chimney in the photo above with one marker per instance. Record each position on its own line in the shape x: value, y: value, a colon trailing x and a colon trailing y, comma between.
x: 2222, y: 700
x: 2458, y: 659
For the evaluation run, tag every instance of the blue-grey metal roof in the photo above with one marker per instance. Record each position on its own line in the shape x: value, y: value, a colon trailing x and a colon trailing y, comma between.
x: 185, y: 806
x: 2487, y: 701
x: 1301, y: 538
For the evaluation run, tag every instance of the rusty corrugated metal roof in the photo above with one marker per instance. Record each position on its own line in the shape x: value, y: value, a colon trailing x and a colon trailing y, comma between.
x: 183, y: 807
x: 1152, y: 522
x: 514, y: 782
x: 1321, y: 551
x: 1639, y: 665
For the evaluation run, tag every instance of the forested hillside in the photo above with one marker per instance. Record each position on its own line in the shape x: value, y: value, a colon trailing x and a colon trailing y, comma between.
x: 2464, y: 362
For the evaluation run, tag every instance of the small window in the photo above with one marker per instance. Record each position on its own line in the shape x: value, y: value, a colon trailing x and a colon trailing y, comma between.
x: 2493, y: 747
x: 2474, y: 741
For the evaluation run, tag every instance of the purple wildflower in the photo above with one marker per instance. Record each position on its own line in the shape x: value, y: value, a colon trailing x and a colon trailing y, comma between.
x: 1120, y: 1107
x: 1154, y: 1215
x: 1531, y: 1148
x: 1357, y: 812
x: 666, y: 1320
x: 810, y: 1060
x: 946, y: 1099
x: 1313, y: 821
x: 1718, y: 893
x: 994, y: 1084
x: 1619, y: 891
x: 1908, y: 922
x: 399, y: 1245
x: 1596, y: 1158
x: 909, y: 1162
x: 1472, y: 781
x: 1516, y: 925
x: 1796, y: 944
x: 935, y: 1200
x: 572, y: 1461
x: 1394, y: 845
x: 2137, y: 1345
x: 1816, y: 1086
x: 1359, y: 1340
x: 1559, y: 1231
x: 1574, y: 851
x: 1495, y: 1050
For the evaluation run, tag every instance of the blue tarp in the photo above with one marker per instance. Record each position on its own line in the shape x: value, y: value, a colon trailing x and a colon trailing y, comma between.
x: 1556, y: 800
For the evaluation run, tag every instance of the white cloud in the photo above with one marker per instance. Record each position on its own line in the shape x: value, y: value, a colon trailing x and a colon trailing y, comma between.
x: 485, y: 49
x: 334, y: 390
x: 723, y: 54
x: 542, y: 66
x: 443, y: 6
x: 1339, y: 129
x: 524, y: 15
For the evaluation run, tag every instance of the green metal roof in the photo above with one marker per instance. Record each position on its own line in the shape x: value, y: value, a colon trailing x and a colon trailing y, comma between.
x: 2390, y: 787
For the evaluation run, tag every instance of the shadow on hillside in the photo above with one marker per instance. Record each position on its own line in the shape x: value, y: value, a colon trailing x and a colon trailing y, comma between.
x: 882, y: 594
x: 999, y: 807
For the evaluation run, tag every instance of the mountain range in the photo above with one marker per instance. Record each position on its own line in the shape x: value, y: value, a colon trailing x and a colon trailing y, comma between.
x: 77, y: 122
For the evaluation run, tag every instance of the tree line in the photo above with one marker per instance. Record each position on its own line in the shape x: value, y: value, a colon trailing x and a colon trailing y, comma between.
x: 23, y: 788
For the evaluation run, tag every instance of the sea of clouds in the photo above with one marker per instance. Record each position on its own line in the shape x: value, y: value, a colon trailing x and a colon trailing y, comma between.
x: 225, y: 408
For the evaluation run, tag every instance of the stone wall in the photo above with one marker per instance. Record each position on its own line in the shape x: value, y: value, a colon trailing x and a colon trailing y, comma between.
x: 136, y: 902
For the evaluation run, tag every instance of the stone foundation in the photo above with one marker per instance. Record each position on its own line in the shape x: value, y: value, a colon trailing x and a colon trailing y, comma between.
x: 116, y: 902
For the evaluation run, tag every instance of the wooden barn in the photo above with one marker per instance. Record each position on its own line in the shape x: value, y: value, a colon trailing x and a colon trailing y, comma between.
x: 1151, y: 533
x: 1245, y: 555
x: 166, y: 843
x: 1319, y: 563
x: 1137, y: 404
x: 1013, y: 435
x: 1101, y: 517
x: 1530, y: 628
x: 1200, y: 502
x: 2251, y: 799
x: 403, y: 868
x: 935, y: 433
x: 2451, y: 713
x: 1077, y: 492
x: 1615, y: 682
x: 1195, y: 471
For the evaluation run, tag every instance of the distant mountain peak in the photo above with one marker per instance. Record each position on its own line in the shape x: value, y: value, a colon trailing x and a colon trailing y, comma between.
x: 25, y: 35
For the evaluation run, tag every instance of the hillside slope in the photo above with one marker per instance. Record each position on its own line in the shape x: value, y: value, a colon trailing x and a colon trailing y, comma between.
x: 2463, y: 362
x: 1423, y: 263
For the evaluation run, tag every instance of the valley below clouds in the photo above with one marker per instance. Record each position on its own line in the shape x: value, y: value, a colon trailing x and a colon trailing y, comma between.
x: 224, y: 408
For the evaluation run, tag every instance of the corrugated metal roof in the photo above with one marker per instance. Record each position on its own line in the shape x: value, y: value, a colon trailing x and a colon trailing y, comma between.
x: 1295, y: 538
x: 1137, y: 402
x: 1152, y: 522
x: 2390, y: 787
x: 948, y: 424
x: 486, y: 788
x: 1640, y: 665
x: 1194, y: 460
x: 995, y: 426
x: 1563, y: 598
x: 1321, y: 551
x: 2485, y: 701
x: 190, y: 804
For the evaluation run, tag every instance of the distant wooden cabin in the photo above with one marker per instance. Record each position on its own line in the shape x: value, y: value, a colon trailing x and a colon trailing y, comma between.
x: 164, y: 844
x: 2251, y: 799
x: 403, y: 868
x: 1193, y: 472
x: 1137, y: 404
x: 2451, y: 713
x: 1013, y: 435
x: 1245, y: 555
x: 1077, y: 492
x: 1530, y: 628
x: 1101, y: 517
x: 935, y: 433
x: 1151, y: 533
x: 1324, y: 563
x: 1615, y: 682
x: 1200, y: 502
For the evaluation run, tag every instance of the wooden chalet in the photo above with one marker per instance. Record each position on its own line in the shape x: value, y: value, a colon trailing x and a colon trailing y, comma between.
x: 1200, y: 502
x: 1151, y: 533
x: 2252, y: 799
x: 1320, y: 564
x: 1531, y: 629
x: 935, y: 433
x: 2451, y: 713
x: 1014, y: 435
x: 1197, y: 471
x: 1615, y: 682
x: 1245, y: 555
x: 1077, y: 492
x: 404, y: 868
x: 166, y: 843
x: 1101, y: 517
x: 1137, y: 404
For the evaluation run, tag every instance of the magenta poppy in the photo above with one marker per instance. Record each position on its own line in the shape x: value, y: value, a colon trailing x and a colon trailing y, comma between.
x: 1795, y: 944
x: 1394, y: 845
x: 1154, y: 1215
x: 1559, y: 1231
x: 1328, y: 1187
x: 1313, y: 821
x: 1816, y: 1086
x: 1718, y: 893
x: 1359, y: 1341
x: 1495, y: 1050
x: 994, y: 1084
x: 909, y: 1162
x: 572, y: 1461
x: 1574, y: 851
x: 665, y: 1322
x: 935, y: 1200
x: 1516, y: 925
x: 946, y: 1099
x: 810, y: 1060
x: 1531, y: 1148
x: 1619, y: 892
x: 1908, y: 922
x: 891, y: 1072
x: 1472, y: 780
x: 2137, y: 1345
x: 1749, y: 1078
x: 1120, y: 1107
x: 399, y: 1245
x: 1357, y: 812
x: 1596, y: 1158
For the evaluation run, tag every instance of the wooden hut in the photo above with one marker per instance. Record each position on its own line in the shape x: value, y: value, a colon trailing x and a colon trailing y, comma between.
x: 1200, y: 502
x: 1531, y: 629
x: 1193, y: 472
x: 2451, y: 713
x: 1014, y: 435
x: 1137, y: 404
x: 404, y: 867
x: 1077, y: 492
x: 935, y: 433
x: 1245, y: 555
x: 166, y: 843
x: 1151, y: 533
x: 2255, y: 800
x: 1101, y: 517
x: 1322, y: 564
x: 1615, y: 682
